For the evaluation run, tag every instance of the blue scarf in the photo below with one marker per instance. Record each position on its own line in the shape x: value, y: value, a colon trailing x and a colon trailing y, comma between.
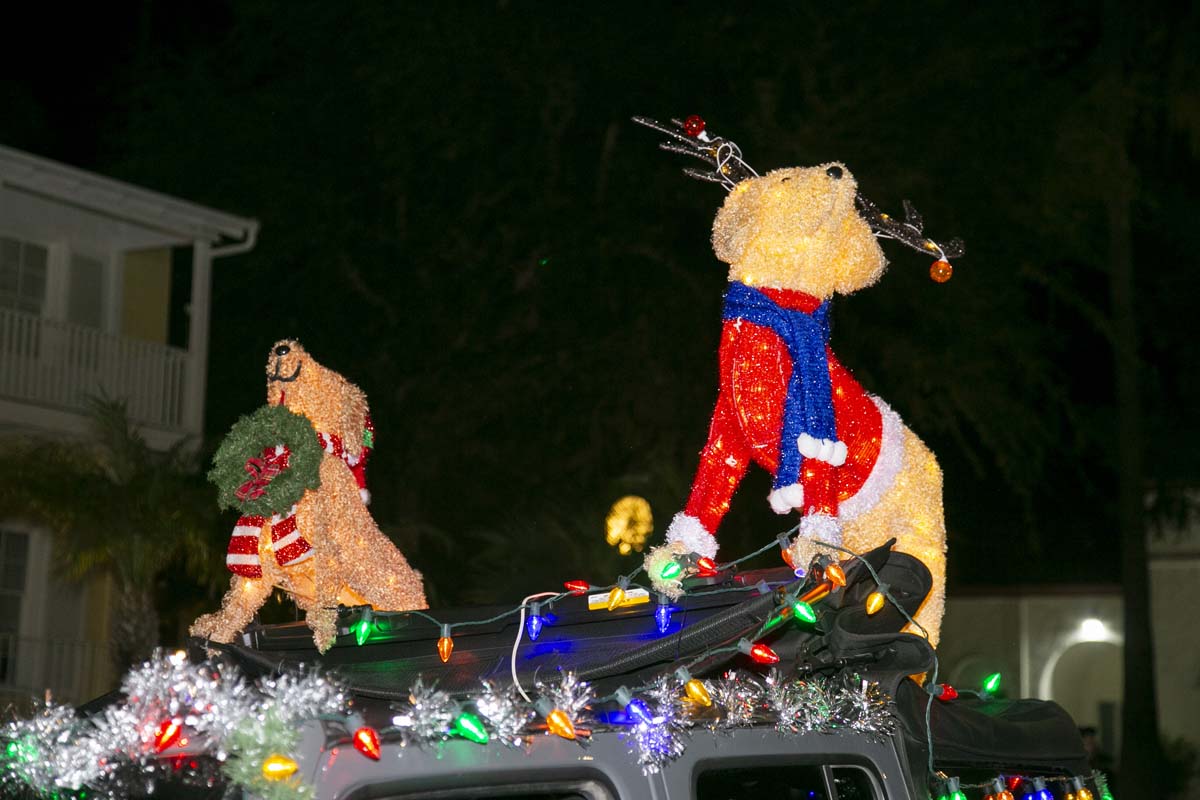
x: 809, y: 405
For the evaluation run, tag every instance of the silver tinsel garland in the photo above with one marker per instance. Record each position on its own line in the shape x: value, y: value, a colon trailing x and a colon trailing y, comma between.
x: 238, y: 724
x: 862, y: 707
x: 427, y: 717
x: 505, y: 713
x: 738, y: 700
x: 799, y: 706
x: 570, y: 694
x: 120, y: 750
x: 661, y: 740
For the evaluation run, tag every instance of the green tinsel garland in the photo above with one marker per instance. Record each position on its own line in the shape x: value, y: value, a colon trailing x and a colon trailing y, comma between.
x: 251, y: 744
x: 250, y: 435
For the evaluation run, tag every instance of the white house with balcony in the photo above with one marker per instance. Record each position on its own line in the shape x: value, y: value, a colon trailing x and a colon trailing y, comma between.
x: 86, y: 275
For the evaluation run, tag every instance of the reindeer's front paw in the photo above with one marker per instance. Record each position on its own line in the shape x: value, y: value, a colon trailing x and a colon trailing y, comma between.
x: 211, y: 627
x: 685, y: 535
x: 657, y: 561
x: 786, y: 499
x: 323, y: 622
x: 814, y: 530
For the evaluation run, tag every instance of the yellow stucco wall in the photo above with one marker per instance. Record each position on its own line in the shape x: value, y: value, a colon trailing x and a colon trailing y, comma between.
x: 97, y: 624
x: 146, y: 295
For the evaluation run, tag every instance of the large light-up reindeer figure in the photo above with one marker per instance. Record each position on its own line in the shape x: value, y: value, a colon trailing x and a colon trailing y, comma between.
x: 840, y: 457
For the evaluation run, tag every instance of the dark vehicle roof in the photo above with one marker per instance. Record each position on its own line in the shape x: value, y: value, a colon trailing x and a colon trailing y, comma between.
x: 624, y: 647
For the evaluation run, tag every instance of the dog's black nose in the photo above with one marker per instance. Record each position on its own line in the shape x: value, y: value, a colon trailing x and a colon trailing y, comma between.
x: 282, y: 350
x: 834, y: 172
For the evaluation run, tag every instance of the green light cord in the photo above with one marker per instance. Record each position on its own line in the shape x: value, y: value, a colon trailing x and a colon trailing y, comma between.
x: 465, y: 623
x: 1065, y: 780
x: 773, y: 543
x: 628, y: 579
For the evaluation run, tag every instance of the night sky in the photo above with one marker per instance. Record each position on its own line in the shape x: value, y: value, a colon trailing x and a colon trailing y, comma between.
x: 458, y: 215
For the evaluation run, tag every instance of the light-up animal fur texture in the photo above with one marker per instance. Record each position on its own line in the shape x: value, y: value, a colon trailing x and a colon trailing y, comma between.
x: 353, y: 562
x: 795, y: 237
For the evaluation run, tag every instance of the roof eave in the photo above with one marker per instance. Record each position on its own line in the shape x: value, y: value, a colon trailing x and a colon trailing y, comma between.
x: 125, y: 201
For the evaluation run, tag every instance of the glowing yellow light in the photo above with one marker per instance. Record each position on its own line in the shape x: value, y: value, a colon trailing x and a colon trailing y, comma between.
x: 276, y: 767
x: 615, y: 598
x: 836, y: 575
x: 875, y: 601
x: 560, y: 724
x: 697, y: 693
x: 445, y: 647
x: 629, y: 524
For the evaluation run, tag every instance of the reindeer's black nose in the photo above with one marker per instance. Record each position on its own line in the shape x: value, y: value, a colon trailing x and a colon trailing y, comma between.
x: 282, y: 350
x: 834, y: 172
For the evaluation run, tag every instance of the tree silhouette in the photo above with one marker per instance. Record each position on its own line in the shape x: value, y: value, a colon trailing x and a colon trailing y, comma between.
x: 118, y: 508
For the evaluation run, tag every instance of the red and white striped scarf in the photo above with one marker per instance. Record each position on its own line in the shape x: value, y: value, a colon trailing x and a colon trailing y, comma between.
x: 289, y: 545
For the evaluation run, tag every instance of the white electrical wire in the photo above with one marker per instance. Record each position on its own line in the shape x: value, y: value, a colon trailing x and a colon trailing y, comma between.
x: 517, y: 641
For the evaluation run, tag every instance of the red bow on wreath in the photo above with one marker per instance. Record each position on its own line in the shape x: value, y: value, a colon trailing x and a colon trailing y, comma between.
x: 261, y: 470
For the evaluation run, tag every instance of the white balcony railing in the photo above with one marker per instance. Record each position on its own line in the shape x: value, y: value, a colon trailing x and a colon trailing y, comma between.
x: 70, y: 670
x: 57, y: 364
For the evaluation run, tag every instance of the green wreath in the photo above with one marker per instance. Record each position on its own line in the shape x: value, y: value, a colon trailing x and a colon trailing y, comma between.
x: 237, y: 461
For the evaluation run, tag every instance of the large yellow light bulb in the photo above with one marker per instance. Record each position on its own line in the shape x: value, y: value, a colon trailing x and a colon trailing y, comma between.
x: 697, y: 693
x: 560, y: 724
x: 276, y: 767
x: 875, y: 601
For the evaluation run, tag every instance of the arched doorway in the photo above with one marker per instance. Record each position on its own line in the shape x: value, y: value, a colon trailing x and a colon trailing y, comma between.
x: 1086, y: 681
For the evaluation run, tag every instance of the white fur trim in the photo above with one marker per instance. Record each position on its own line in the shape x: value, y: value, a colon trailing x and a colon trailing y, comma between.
x: 366, y: 496
x: 839, y: 454
x: 822, y: 527
x: 786, y: 498
x: 688, y: 531
x: 887, y: 466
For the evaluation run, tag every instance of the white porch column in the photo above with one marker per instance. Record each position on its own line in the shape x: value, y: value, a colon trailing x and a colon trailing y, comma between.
x: 198, y: 316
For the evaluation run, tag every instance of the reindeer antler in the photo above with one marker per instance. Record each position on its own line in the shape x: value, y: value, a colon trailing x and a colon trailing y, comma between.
x: 690, y: 139
x: 908, y: 232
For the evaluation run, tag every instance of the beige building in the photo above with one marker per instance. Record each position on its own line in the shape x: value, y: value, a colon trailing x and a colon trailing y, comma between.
x: 86, y: 274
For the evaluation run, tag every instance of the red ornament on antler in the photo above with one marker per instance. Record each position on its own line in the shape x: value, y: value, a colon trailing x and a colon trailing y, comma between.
x: 693, y: 125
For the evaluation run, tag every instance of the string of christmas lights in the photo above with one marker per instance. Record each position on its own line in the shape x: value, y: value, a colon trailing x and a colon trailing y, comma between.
x: 368, y: 619
x: 180, y: 718
x: 191, y: 716
x: 1025, y: 787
